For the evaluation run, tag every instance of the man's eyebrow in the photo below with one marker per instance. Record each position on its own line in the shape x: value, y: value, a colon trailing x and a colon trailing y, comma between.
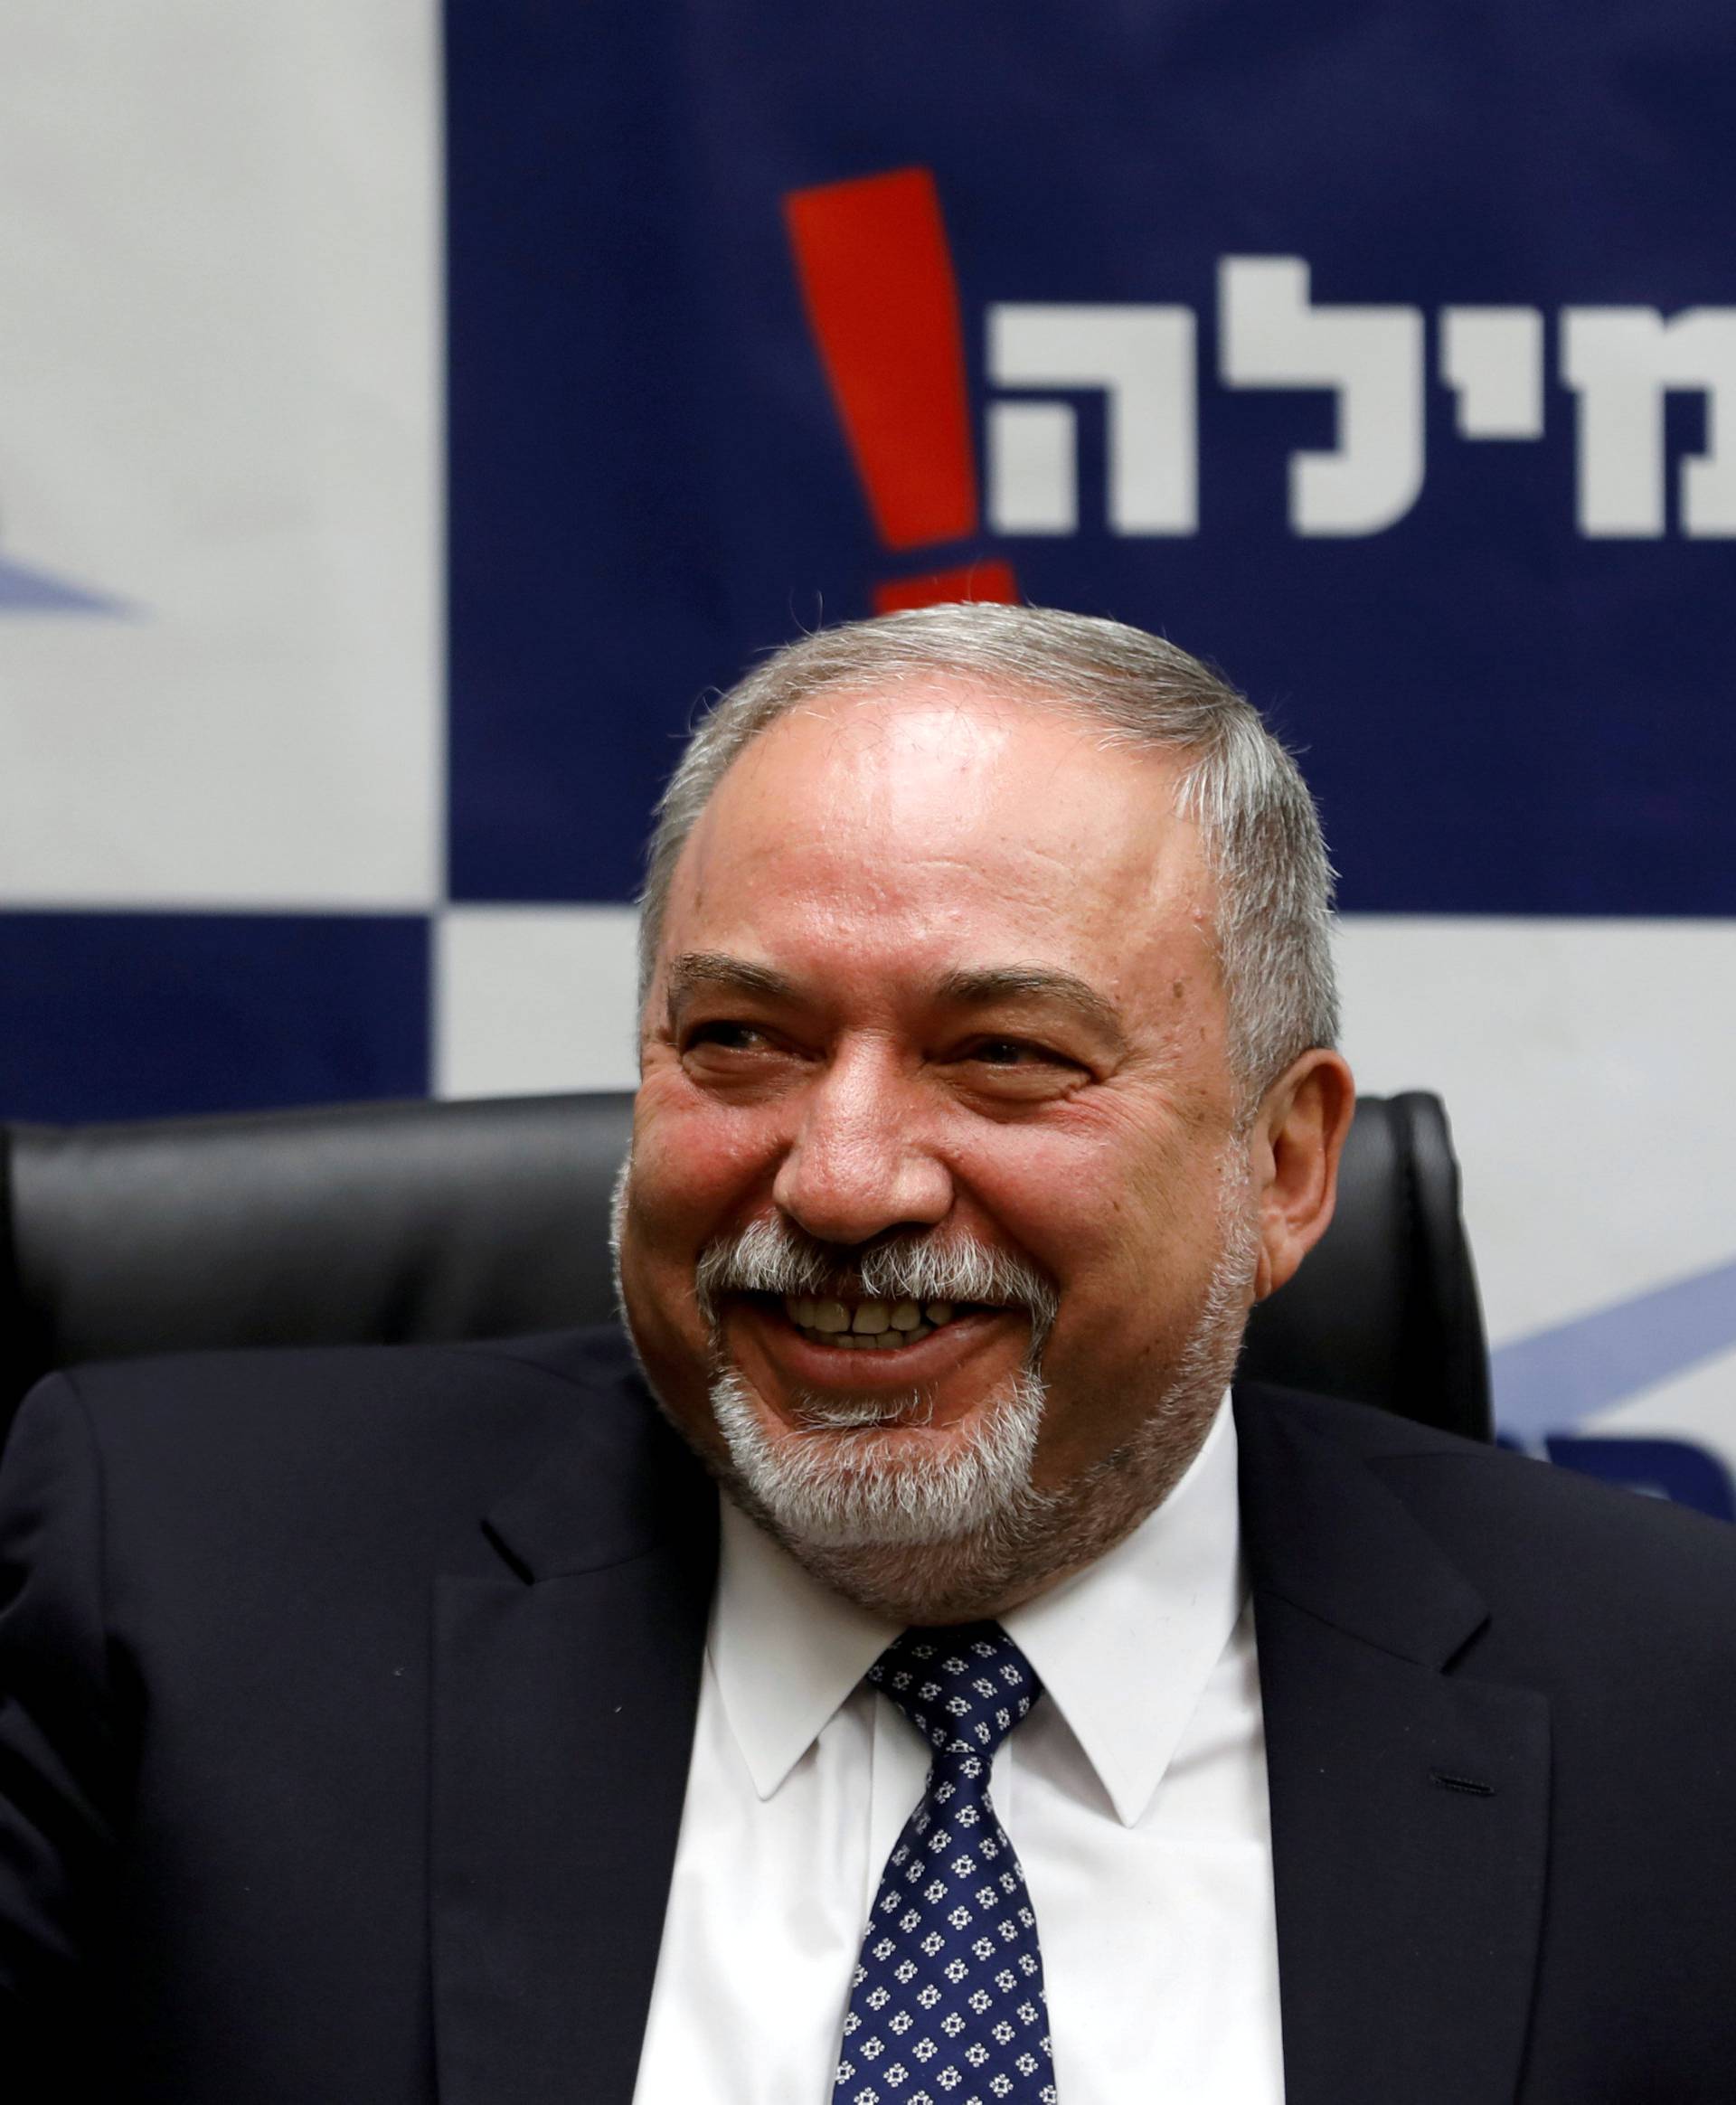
x: 1038, y: 983
x: 711, y: 972
x: 715, y: 972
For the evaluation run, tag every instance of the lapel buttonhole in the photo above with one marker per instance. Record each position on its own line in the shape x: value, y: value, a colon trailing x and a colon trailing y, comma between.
x: 1471, y: 1786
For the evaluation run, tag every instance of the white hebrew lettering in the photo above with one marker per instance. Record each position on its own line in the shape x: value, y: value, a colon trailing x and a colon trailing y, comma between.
x: 1142, y: 357
x: 1031, y: 485
x: 1621, y: 361
x: 1372, y: 359
x: 1492, y: 357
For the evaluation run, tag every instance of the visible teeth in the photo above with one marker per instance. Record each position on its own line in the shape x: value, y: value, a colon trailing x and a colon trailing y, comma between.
x: 869, y: 1326
x: 887, y: 1340
x: 890, y: 1324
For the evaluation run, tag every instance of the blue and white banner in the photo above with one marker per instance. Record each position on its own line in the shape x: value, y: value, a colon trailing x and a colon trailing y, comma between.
x: 221, y: 713
x: 407, y: 418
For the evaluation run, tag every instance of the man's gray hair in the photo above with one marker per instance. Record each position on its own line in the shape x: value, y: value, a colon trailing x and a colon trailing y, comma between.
x: 1259, y: 829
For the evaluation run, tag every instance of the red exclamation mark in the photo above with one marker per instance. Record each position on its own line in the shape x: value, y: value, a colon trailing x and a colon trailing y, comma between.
x: 883, y: 302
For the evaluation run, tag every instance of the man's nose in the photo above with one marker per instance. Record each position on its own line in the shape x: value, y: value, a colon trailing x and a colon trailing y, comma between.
x: 859, y: 1165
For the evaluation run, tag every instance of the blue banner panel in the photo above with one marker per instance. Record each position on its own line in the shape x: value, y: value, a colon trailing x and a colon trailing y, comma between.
x: 118, y: 1015
x: 1386, y: 356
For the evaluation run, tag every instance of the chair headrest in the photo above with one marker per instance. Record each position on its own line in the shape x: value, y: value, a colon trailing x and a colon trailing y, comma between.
x: 423, y: 1221
x: 1386, y: 1308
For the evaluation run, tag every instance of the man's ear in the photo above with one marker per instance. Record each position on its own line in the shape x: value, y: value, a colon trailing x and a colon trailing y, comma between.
x: 1298, y: 1136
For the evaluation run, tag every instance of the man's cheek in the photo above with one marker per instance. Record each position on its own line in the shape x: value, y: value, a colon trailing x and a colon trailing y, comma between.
x: 668, y: 1195
x: 667, y: 1329
x: 697, y: 1163
x: 657, y: 1266
x: 658, y: 1286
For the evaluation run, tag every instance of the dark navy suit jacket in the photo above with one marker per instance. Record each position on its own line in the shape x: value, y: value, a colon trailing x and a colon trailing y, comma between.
x: 347, y: 1700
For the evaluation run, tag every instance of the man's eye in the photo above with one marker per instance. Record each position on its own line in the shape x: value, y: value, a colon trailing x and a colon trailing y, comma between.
x: 725, y: 1036
x: 1006, y: 1053
x: 1014, y: 1052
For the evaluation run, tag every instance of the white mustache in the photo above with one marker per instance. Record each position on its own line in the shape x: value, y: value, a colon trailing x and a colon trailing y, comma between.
x: 773, y: 1256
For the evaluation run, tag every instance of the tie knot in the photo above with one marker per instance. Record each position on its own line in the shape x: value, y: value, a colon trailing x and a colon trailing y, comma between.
x: 963, y: 1688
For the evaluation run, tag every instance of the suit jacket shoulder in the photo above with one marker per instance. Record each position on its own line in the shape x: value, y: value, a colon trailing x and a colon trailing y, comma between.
x: 1579, y: 1572
x: 219, y: 1661
x: 1501, y: 1724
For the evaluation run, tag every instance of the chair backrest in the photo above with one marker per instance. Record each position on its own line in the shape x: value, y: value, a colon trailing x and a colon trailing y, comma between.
x: 436, y: 1221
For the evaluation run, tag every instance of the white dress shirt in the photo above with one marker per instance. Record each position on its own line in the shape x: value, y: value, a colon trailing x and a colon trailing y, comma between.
x: 1135, y: 1795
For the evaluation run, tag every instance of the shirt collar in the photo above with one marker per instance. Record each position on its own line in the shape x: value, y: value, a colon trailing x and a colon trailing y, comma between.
x: 1124, y: 1648
x: 788, y: 1652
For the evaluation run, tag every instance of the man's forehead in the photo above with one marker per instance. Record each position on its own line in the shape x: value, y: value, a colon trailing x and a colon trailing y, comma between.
x: 842, y: 739
x: 994, y: 828
x: 933, y: 760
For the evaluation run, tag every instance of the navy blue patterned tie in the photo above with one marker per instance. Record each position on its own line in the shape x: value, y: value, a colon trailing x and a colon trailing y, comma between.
x: 946, y: 2005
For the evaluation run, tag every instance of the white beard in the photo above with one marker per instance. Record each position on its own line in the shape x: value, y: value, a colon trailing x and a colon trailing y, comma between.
x: 834, y: 1487
x: 928, y: 1538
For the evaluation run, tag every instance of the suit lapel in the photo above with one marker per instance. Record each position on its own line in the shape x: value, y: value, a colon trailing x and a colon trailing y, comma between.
x: 565, y: 1691
x: 1409, y: 1805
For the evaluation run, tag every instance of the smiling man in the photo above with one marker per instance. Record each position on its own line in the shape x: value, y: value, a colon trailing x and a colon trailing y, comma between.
x: 968, y: 1131
x: 1030, y: 1716
x: 953, y: 1177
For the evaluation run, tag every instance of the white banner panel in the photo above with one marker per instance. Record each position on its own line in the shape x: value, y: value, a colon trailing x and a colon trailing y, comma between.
x: 220, y: 528
x: 1585, y: 1065
x: 534, y: 998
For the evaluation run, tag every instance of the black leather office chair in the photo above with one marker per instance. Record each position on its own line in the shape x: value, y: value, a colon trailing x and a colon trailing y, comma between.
x: 419, y: 1221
